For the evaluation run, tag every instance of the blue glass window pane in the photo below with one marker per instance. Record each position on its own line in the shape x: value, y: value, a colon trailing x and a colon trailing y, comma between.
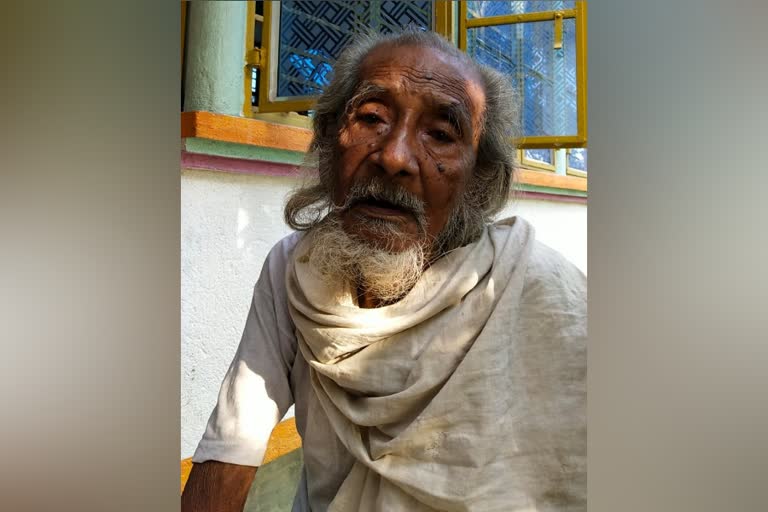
x: 541, y: 155
x: 484, y: 9
x: 544, y: 78
x: 577, y: 159
x: 313, y: 34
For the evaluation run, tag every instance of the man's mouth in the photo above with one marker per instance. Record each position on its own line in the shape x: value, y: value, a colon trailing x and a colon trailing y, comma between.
x: 380, y: 207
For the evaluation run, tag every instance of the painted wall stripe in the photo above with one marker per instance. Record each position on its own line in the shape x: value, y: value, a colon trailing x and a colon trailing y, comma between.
x: 551, y: 197
x: 237, y: 165
x: 245, y: 151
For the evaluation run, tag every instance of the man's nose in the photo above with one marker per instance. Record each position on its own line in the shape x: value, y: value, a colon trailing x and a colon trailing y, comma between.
x: 398, y: 153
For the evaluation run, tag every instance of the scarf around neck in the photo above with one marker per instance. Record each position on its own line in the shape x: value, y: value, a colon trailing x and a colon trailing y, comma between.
x: 467, y: 394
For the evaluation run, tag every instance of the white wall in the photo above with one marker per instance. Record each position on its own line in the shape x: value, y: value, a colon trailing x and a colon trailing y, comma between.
x: 228, y: 224
x: 560, y: 225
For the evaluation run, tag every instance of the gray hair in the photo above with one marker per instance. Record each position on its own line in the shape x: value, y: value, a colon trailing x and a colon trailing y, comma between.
x: 488, y: 188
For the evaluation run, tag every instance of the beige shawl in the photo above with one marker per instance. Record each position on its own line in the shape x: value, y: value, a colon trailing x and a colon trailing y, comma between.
x: 469, y: 393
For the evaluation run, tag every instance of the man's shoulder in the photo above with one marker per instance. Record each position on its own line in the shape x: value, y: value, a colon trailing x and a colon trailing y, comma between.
x: 545, y: 261
x: 545, y: 264
x: 550, y: 274
x: 274, y: 268
x: 281, y: 253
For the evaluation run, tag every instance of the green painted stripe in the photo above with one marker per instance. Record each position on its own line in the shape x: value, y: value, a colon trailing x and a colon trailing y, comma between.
x: 552, y: 190
x: 246, y: 151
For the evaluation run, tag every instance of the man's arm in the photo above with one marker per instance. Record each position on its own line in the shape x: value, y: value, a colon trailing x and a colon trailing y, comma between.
x: 217, y: 487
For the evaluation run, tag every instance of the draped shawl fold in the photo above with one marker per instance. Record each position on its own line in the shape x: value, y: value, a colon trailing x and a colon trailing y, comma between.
x: 468, y: 394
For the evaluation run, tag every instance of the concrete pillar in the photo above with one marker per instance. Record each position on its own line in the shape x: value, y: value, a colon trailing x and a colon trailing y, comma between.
x: 215, y: 48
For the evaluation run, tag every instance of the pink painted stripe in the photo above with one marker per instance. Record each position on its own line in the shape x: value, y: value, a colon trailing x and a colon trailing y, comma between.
x: 238, y: 165
x: 523, y: 194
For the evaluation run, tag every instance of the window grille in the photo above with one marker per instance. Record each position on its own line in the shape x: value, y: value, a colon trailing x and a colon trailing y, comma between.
x: 293, y: 44
x: 541, y: 46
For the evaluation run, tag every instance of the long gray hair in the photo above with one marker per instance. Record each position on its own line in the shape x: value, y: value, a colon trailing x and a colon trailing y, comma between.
x: 488, y: 188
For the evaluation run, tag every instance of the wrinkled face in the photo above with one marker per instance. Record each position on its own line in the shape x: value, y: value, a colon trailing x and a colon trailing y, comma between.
x: 414, y: 125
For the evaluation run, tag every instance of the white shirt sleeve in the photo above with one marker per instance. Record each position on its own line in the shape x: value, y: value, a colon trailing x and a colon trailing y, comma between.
x: 256, y: 391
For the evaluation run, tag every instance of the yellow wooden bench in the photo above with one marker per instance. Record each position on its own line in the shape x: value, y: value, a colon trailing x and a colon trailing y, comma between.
x: 283, y: 440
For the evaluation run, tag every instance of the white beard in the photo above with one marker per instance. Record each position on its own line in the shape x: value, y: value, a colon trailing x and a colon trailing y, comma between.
x: 388, y: 276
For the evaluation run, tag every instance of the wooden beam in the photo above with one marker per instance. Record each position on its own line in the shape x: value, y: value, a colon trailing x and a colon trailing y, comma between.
x: 548, y: 179
x: 242, y: 130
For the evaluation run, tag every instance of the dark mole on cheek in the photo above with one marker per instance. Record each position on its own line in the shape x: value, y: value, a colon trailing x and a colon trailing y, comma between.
x: 440, y: 168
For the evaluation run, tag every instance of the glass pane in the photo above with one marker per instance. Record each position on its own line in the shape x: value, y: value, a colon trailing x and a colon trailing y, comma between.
x: 545, y: 78
x: 541, y: 155
x: 577, y: 159
x: 484, y: 9
x: 313, y: 34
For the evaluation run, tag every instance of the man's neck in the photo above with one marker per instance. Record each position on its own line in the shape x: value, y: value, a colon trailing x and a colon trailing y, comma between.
x: 367, y: 300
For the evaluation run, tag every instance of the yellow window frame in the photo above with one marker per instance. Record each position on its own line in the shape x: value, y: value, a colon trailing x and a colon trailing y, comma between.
x: 570, y: 170
x: 580, y: 15
x: 261, y: 58
x: 532, y: 163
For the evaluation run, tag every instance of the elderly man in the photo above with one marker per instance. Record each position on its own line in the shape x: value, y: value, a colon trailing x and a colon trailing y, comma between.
x: 437, y: 360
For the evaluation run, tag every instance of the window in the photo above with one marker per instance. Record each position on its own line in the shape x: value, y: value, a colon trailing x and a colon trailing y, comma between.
x: 292, y: 45
x: 541, y: 45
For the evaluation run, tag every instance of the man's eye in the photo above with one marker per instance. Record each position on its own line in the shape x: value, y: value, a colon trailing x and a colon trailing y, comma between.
x: 441, y: 136
x: 369, y: 118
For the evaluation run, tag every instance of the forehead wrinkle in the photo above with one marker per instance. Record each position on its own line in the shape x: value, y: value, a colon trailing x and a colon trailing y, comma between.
x: 410, y: 76
x: 366, y: 88
x: 448, y: 96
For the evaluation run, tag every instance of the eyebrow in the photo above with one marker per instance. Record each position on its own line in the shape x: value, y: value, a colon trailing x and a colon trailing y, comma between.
x: 364, y: 92
x: 454, y: 112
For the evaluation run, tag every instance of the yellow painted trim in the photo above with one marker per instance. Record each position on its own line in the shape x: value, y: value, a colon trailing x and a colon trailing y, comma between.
x: 580, y: 14
x: 186, y: 468
x: 511, y: 19
x: 250, y: 43
x: 575, y: 172
x: 581, y: 71
x: 570, y: 170
x: 566, y: 141
x: 265, y: 74
x: 268, y: 79
x: 443, y: 19
x: 536, y: 164
x: 269, y: 102
x: 548, y: 179
x: 463, y: 26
